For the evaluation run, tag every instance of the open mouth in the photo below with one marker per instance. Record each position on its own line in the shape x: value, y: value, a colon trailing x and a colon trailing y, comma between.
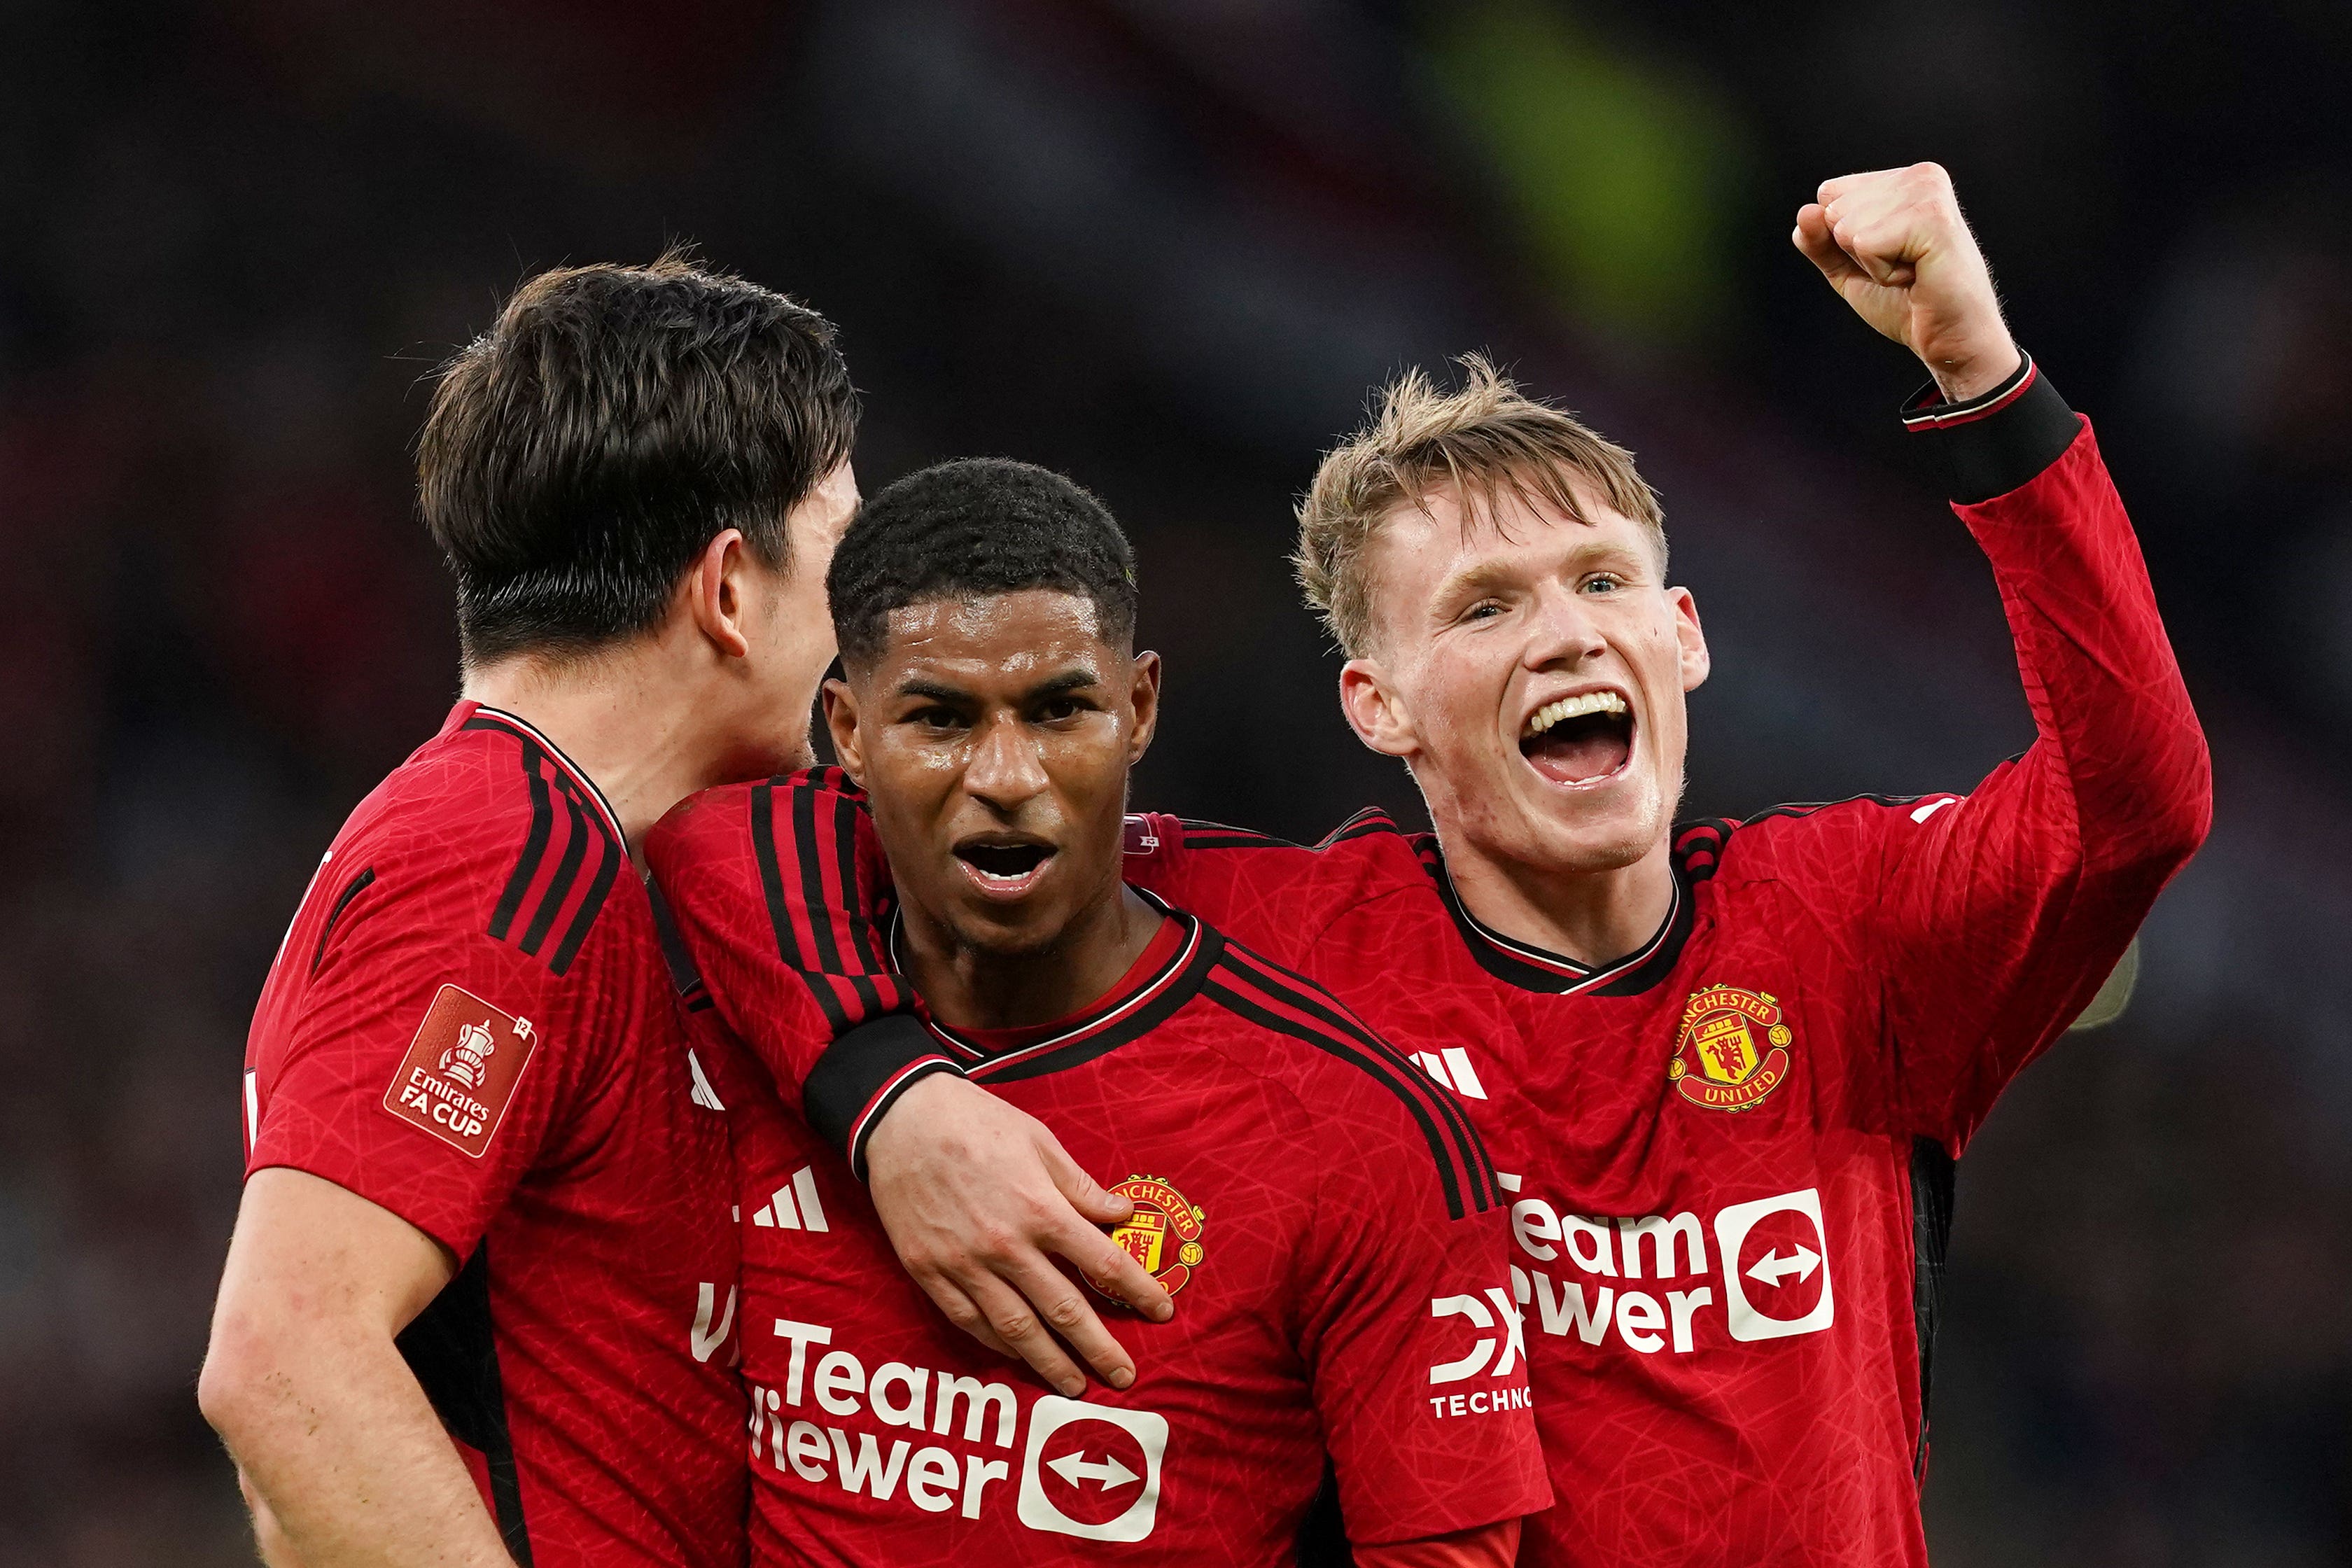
x: 1581, y: 739
x: 1005, y: 866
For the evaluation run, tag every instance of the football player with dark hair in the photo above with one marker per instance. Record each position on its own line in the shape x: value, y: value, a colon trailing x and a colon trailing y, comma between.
x: 1331, y: 1221
x: 478, y: 1307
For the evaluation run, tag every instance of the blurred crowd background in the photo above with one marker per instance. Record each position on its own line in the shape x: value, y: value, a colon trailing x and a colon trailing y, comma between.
x: 1167, y: 247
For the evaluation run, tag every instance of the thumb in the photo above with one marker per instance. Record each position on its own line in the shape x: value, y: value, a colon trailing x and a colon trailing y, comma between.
x: 1813, y: 237
x: 1085, y: 1195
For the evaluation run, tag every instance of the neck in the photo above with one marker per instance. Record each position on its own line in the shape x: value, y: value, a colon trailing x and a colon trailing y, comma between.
x: 969, y: 987
x: 618, y: 718
x: 1593, y: 917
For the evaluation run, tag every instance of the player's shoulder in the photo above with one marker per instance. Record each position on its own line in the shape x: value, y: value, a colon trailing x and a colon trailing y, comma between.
x: 1364, y: 1099
x: 753, y: 828
x: 1364, y: 857
x: 1800, y: 840
x: 487, y: 826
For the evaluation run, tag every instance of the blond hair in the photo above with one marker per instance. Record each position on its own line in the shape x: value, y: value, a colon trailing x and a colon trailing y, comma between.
x: 1475, y: 440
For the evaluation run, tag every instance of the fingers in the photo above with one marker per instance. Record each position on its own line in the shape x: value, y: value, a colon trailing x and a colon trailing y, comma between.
x: 1107, y: 1266
x: 1880, y: 244
x: 1095, y: 1204
x: 978, y: 1200
x: 1063, y: 1309
x: 1842, y: 255
x: 1812, y: 237
x: 1888, y: 219
x: 1022, y: 1332
x: 1113, y: 1270
x: 957, y: 1307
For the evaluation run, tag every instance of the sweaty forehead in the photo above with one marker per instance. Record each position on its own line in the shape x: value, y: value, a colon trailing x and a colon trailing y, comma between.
x: 1016, y: 634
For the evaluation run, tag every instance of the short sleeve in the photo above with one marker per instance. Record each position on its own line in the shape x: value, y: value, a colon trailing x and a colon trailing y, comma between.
x: 1413, y: 1346
x: 422, y: 1067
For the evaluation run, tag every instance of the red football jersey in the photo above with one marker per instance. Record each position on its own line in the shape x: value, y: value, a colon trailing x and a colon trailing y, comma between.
x: 1730, y: 1152
x: 469, y: 1024
x: 1331, y: 1227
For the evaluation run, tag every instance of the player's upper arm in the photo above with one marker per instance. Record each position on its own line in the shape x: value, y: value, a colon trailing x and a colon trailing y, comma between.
x: 1407, y: 1324
x: 312, y: 1268
x: 1415, y: 1345
x: 774, y: 888
x: 426, y: 1061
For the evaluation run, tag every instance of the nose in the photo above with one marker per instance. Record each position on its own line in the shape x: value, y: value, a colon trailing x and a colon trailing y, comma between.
x: 1006, y: 771
x: 1563, y: 633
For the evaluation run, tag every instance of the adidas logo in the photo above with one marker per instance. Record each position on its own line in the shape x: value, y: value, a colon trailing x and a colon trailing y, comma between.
x: 702, y: 1094
x: 1451, y: 1066
x: 794, y: 1205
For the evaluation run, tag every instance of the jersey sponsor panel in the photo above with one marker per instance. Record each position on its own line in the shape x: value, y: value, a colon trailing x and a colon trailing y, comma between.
x: 935, y: 1439
x: 1678, y: 1283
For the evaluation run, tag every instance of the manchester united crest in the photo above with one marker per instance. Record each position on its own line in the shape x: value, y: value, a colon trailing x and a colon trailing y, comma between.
x: 1733, y: 1049
x: 1163, y: 1234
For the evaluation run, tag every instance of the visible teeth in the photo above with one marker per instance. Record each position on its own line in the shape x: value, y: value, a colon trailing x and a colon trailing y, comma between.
x: 1576, y: 706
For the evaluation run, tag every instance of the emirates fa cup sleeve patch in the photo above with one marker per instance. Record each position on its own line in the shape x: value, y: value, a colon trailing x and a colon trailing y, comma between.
x: 460, y: 1072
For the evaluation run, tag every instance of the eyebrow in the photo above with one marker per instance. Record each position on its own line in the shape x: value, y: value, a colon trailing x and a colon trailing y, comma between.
x: 1485, y: 574
x: 1476, y: 578
x: 1068, y: 680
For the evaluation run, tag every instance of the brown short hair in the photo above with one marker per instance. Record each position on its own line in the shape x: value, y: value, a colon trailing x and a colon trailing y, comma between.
x: 1484, y: 436
x: 583, y: 451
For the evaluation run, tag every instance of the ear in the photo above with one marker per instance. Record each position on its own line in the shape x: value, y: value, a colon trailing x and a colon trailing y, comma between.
x: 841, y: 722
x: 718, y: 593
x: 1143, y: 693
x: 1696, y: 662
x: 1375, y: 710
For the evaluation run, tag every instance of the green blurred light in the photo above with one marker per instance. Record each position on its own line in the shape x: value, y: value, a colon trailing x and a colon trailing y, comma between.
x: 2115, y: 993
x: 1622, y: 174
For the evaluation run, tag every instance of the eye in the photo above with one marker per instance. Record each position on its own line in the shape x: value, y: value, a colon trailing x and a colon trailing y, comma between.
x: 1602, y: 583
x: 1056, y: 708
x: 1485, y: 609
x: 936, y: 718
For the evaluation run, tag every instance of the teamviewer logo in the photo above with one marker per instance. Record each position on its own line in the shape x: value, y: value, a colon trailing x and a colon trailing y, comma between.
x: 1092, y: 1471
x: 1771, y: 1249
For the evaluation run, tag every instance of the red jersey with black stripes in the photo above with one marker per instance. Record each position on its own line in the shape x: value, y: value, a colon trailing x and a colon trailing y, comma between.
x: 470, y: 1025
x: 1730, y: 1152
x: 1324, y: 1214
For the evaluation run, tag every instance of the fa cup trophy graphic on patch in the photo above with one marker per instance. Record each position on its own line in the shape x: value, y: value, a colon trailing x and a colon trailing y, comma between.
x: 468, y: 1061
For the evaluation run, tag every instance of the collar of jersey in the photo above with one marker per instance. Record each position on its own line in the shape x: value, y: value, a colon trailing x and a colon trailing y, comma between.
x: 1533, y: 968
x: 486, y: 717
x: 1111, y: 1023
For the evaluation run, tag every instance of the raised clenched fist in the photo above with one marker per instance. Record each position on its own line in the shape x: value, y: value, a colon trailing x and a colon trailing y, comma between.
x: 1893, y: 242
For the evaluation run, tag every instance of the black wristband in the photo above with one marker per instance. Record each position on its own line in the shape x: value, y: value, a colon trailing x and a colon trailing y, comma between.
x: 1990, y: 445
x: 862, y: 1073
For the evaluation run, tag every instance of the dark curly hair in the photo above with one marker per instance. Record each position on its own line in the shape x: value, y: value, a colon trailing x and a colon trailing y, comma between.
x: 975, y: 527
x: 587, y: 447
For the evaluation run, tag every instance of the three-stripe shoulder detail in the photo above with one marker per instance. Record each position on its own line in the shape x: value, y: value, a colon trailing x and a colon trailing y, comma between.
x: 1275, y: 998
x: 548, y: 912
x: 806, y: 828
